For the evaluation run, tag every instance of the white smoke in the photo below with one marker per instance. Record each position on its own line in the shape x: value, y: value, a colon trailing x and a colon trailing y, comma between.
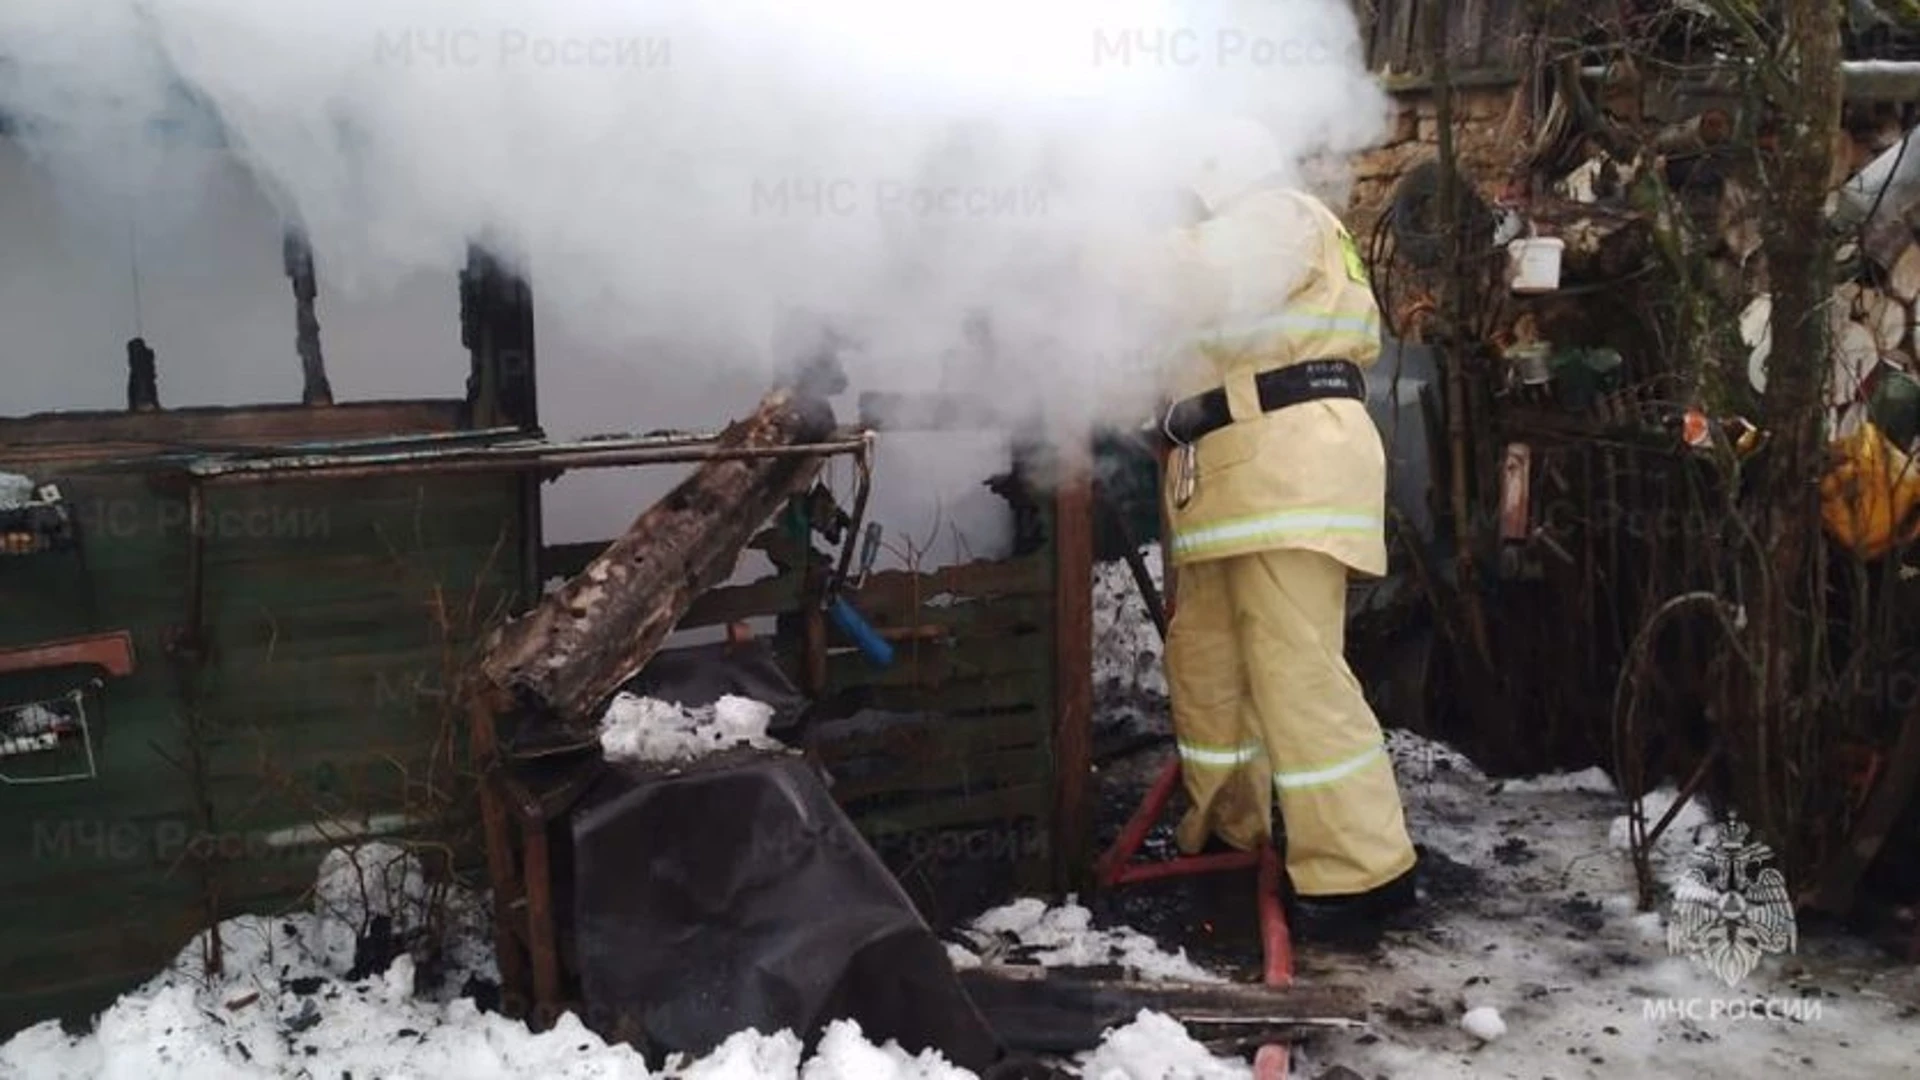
x: 681, y: 176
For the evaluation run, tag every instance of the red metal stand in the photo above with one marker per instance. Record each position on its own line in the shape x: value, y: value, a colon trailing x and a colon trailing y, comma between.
x: 1116, y: 867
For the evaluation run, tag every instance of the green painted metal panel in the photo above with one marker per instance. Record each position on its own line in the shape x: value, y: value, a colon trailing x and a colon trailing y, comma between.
x: 332, y: 614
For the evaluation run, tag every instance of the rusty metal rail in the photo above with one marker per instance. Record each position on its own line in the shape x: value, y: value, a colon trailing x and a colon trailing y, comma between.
x: 522, y: 456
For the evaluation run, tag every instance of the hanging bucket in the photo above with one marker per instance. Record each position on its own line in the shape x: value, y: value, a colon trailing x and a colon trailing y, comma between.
x: 1536, y: 263
x: 1530, y: 363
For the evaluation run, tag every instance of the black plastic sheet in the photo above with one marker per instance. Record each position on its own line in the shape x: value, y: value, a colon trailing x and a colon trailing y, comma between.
x: 735, y: 894
x: 699, y: 675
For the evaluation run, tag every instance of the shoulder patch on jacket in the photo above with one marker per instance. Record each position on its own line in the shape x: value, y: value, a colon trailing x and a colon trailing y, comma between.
x: 1350, y: 252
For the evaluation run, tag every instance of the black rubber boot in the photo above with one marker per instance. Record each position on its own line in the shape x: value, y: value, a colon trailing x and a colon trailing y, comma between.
x: 1352, y: 921
x: 1216, y: 846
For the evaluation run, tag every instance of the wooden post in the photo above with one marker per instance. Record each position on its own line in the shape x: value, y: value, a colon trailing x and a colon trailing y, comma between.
x: 543, y: 944
x: 496, y: 326
x: 1073, y: 665
x: 315, y: 389
x: 483, y: 704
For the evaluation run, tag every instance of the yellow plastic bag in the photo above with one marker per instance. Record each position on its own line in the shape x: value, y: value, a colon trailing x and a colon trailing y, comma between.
x: 1871, y: 491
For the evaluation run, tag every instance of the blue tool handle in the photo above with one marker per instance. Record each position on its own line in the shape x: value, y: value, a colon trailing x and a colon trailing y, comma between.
x: 850, y: 622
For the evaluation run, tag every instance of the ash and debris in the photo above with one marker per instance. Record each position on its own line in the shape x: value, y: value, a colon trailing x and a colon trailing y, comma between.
x: 1529, y: 957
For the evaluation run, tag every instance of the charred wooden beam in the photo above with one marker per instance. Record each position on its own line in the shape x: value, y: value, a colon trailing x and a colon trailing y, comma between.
x: 143, y: 378
x: 496, y: 327
x: 298, y: 255
x: 1059, y: 1012
x: 568, y: 655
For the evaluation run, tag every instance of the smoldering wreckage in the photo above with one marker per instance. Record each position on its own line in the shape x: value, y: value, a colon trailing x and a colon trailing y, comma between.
x: 651, y: 818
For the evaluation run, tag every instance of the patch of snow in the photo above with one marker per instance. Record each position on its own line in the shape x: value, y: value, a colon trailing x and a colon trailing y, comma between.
x: 1483, y: 1023
x: 1127, y: 649
x: 1418, y: 758
x: 1065, y: 936
x: 281, y: 1005
x: 1531, y: 911
x: 661, y: 732
x: 1156, y: 1047
x: 280, y: 1008
x: 746, y: 1055
x: 1691, y: 834
x: 359, y: 884
x: 845, y: 1054
x: 961, y: 957
x: 441, y: 924
x: 1129, y: 670
x: 1594, y: 780
x: 15, y: 490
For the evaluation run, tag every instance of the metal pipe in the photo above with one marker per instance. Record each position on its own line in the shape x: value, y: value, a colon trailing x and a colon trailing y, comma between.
x: 1225, y: 862
x: 328, y: 453
x: 1276, y: 939
x: 1862, y: 80
x: 268, y: 470
x: 856, y: 524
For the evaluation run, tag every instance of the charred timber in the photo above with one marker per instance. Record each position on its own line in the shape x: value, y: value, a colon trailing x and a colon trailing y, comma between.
x: 567, y: 656
x: 298, y: 256
x: 1063, y: 1011
x: 143, y: 377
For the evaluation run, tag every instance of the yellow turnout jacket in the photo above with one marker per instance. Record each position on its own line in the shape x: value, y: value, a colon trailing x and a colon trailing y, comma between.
x: 1274, y: 280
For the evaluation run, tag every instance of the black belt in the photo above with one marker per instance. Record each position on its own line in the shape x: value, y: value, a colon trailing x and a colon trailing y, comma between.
x: 1311, y: 380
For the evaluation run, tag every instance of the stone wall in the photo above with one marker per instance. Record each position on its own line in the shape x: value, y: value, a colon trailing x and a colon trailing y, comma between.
x: 1485, y: 148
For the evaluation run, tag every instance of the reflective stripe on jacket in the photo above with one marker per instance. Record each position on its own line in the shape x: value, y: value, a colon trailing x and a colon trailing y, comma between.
x: 1277, y: 280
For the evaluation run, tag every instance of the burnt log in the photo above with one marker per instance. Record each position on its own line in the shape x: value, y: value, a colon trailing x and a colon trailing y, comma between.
x: 567, y: 656
x: 143, y: 379
x: 298, y: 257
x: 1067, y: 1011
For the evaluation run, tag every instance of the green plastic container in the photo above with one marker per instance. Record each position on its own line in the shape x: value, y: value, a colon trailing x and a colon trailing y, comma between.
x: 1580, y: 376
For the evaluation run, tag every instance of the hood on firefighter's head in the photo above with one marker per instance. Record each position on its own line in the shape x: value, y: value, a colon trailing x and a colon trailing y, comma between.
x: 1229, y: 157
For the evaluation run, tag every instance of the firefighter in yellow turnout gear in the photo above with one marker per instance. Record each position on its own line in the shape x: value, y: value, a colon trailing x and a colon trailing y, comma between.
x: 1274, y: 493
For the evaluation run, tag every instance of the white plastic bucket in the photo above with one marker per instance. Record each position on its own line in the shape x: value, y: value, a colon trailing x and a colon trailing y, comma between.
x: 1536, y: 263
x: 1530, y: 363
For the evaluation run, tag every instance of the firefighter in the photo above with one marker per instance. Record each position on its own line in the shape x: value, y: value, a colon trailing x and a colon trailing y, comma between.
x: 1274, y: 493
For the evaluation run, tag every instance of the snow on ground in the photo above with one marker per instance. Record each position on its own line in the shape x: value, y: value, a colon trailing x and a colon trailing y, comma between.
x: 1157, y: 1048
x: 1531, y: 958
x: 1129, y: 676
x: 1532, y: 919
x: 295, y: 996
x: 649, y: 730
x: 1028, y: 931
x: 1594, y: 780
x: 1532, y: 916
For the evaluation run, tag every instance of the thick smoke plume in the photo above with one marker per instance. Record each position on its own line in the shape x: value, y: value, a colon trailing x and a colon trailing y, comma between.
x: 965, y: 188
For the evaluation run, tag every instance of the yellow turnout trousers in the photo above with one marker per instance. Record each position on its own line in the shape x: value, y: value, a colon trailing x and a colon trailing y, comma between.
x: 1263, y: 701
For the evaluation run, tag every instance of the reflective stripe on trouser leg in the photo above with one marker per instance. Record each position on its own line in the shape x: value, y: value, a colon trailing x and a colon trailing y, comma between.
x: 1223, y: 762
x: 1345, y: 829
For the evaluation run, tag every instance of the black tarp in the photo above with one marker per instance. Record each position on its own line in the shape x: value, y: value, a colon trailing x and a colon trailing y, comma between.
x: 735, y: 894
x: 699, y: 675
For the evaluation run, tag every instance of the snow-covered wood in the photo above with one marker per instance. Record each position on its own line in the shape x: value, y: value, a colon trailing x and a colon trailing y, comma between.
x: 572, y: 651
